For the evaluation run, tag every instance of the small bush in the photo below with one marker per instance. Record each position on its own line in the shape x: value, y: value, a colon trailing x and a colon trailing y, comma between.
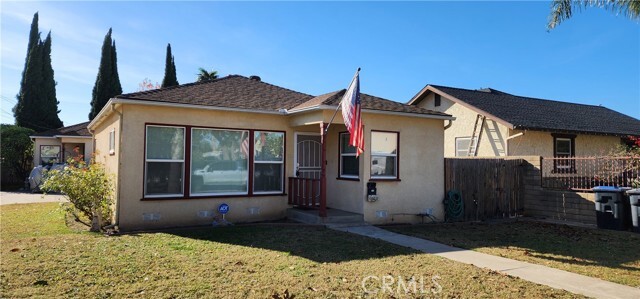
x: 16, y: 154
x: 88, y: 187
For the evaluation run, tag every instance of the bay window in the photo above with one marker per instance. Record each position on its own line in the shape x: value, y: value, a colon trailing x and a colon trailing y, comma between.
x: 164, y: 161
x: 384, y: 155
x: 268, y: 167
x: 349, y: 166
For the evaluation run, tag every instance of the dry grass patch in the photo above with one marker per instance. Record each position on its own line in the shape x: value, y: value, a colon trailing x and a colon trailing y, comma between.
x: 604, y: 254
x: 44, y: 259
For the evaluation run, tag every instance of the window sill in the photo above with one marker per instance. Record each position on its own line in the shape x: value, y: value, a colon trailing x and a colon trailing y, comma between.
x: 564, y: 171
x: 385, y: 180
x: 348, y: 179
x: 209, y: 197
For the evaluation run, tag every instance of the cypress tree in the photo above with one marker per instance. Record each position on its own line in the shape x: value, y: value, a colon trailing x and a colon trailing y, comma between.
x: 49, y: 101
x: 107, y: 82
x: 23, y: 111
x: 37, y: 105
x: 170, y: 78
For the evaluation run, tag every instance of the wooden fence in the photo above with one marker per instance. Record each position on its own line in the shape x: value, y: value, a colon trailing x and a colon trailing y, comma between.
x: 490, y: 188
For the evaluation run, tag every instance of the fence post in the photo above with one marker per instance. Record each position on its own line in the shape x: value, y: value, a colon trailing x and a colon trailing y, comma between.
x: 624, y: 173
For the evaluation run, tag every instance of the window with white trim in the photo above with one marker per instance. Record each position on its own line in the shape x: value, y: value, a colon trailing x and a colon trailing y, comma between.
x: 164, y: 161
x: 49, y: 154
x: 384, y: 155
x: 462, y: 146
x: 268, y: 162
x: 349, y: 166
x: 112, y: 142
x: 219, y: 162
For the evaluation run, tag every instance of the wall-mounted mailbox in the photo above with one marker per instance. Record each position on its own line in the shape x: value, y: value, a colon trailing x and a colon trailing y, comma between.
x: 372, y: 189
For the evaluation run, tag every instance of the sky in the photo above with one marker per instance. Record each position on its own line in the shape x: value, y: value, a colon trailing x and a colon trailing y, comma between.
x: 315, y: 48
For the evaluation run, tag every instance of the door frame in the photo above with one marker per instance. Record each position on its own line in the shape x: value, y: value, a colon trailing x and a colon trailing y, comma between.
x: 295, y: 148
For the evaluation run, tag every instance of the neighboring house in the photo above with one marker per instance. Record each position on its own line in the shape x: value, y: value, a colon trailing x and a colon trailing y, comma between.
x: 517, y: 126
x: 179, y: 152
x: 58, y: 145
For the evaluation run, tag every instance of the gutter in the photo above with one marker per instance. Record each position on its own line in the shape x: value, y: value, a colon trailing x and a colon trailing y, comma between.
x: 121, y: 119
x: 409, y: 114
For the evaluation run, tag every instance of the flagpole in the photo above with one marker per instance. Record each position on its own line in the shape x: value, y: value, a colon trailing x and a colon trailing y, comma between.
x: 339, y: 105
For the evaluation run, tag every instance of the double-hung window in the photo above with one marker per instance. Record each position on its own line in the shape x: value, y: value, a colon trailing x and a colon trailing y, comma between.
x: 268, y: 162
x: 164, y: 161
x: 384, y: 155
x: 112, y: 142
x: 349, y: 166
x: 219, y: 162
x: 563, y: 151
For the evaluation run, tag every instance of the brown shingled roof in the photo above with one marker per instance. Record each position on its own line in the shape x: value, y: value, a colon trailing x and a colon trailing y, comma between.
x: 368, y: 102
x: 79, y: 130
x: 233, y: 91
x: 240, y: 92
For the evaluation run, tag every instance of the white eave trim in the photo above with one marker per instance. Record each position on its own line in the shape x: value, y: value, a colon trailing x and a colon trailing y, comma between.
x: 107, y: 108
x: 461, y: 102
x: 372, y: 111
x: 60, y: 136
x: 104, y: 113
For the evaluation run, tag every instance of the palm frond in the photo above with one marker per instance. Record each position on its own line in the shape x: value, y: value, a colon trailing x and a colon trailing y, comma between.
x: 562, y: 10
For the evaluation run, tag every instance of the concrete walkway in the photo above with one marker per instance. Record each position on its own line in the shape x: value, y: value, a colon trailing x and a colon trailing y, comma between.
x: 7, y: 198
x: 559, y: 279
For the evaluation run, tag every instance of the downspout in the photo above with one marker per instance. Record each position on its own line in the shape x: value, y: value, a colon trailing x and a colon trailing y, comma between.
x: 120, y: 117
x: 449, y: 124
x: 511, y: 137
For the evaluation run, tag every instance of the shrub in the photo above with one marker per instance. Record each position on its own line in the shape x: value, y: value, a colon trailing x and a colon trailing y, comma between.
x: 88, y: 187
x: 16, y: 154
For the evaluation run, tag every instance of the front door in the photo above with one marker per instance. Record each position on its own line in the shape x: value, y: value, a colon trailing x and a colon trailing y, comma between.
x: 308, y: 157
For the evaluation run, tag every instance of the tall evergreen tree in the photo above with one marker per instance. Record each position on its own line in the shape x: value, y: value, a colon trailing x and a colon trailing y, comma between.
x: 49, y: 99
x: 37, y: 105
x: 107, y: 82
x: 170, y: 78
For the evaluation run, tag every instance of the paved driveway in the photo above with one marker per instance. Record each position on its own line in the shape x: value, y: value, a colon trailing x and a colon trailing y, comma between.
x: 7, y: 198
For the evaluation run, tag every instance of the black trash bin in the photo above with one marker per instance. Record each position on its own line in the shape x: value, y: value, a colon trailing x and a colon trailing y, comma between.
x: 610, y: 208
x: 634, y: 201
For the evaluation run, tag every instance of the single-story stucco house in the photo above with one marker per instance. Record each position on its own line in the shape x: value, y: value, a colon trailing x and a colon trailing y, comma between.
x: 179, y: 152
x: 58, y: 145
x: 502, y: 124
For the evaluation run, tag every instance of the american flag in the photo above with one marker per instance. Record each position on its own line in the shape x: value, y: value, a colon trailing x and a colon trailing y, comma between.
x: 351, y: 113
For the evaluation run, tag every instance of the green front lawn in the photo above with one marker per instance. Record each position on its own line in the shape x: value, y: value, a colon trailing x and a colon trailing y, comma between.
x: 41, y: 257
x: 604, y: 254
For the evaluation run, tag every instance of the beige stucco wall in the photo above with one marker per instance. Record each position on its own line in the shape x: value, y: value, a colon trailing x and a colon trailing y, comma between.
x: 541, y: 144
x: 493, y: 140
x: 66, y: 145
x: 184, y: 212
x: 102, y: 154
x: 421, y: 167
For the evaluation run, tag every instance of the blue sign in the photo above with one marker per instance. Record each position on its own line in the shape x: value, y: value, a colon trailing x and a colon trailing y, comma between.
x: 223, y: 208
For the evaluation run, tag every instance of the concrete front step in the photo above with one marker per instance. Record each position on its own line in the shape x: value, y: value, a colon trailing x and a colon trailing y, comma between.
x: 334, y: 216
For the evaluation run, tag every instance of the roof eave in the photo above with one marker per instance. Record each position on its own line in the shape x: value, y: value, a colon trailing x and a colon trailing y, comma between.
x: 373, y: 111
x: 430, y: 88
x: 106, y: 111
x: 529, y: 128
